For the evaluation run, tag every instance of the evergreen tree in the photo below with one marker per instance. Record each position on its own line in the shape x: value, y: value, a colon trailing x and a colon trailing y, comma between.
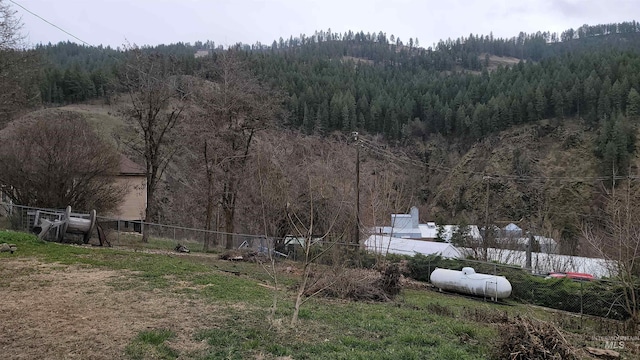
x: 617, y: 96
x: 322, y: 118
x: 540, y: 103
x: 558, y: 103
x: 615, y: 145
x: 633, y: 103
x: 308, y: 122
x: 346, y: 122
x: 577, y: 73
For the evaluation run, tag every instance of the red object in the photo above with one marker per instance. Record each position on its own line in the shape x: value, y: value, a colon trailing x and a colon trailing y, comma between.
x: 572, y: 275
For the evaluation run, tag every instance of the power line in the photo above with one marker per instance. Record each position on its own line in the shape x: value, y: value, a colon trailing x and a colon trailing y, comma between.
x: 522, y: 178
x: 50, y: 23
x: 104, y: 50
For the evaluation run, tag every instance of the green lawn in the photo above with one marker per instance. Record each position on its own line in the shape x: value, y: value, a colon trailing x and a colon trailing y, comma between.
x: 419, y: 324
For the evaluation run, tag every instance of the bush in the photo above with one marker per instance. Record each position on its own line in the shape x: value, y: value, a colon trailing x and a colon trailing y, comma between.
x: 357, y: 284
x: 526, y: 338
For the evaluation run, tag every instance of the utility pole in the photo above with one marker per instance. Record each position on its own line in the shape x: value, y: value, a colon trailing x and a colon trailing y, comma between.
x: 356, y: 233
x: 529, y: 249
x: 485, y: 240
x: 486, y: 209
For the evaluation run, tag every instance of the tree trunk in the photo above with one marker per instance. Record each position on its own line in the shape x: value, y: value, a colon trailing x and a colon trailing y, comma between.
x: 207, y: 226
x: 210, y: 200
x: 148, y: 218
x: 229, y: 209
x: 228, y: 221
x: 303, y: 285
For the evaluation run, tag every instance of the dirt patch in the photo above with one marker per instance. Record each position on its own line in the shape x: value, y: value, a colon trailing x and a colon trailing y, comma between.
x: 357, y: 60
x: 495, y: 61
x: 73, y: 313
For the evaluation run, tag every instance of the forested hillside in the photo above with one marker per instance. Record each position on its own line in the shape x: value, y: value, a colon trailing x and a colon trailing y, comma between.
x: 379, y: 85
x: 588, y: 73
x: 532, y: 113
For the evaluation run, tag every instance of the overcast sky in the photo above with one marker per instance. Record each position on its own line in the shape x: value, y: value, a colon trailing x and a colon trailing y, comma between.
x: 152, y: 22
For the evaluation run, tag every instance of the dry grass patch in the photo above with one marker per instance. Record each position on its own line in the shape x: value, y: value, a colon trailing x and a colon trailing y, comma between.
x: 75, y: 313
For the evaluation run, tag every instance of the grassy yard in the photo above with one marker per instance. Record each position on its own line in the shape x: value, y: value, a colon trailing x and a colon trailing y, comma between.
x: 235, y: 299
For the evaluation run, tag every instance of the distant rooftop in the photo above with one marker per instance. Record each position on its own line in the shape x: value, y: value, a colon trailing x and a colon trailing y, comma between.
x: 201, y: 53
x: 128, y: 167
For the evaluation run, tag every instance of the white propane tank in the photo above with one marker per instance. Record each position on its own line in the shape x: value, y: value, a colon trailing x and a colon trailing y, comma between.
x: 469, y: 282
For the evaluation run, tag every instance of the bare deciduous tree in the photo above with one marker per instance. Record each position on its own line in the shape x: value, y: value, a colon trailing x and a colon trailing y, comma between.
x: 305, y: 191
x: 18, y: 74
x: 157, y: 98
x: 56, y: 161
x: 304, y: 225
x: 616, y: 238
x: 10, y: 26
x: 235, y: 107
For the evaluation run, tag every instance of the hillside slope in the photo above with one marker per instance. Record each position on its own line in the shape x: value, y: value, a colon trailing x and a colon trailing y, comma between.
x: 544, y: 176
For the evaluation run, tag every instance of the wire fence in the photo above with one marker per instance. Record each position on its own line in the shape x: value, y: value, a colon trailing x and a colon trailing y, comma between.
x: 127, y: 233
x: 120, y: 232
x: 599, y: 298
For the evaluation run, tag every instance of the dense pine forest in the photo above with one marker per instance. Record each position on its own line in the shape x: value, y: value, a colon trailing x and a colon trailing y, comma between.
x: 379, y: 84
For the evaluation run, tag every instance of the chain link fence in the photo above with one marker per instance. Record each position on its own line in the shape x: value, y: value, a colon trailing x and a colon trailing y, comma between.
x: 119, y: 232
x: 597, y: 297
x: 128, y: 233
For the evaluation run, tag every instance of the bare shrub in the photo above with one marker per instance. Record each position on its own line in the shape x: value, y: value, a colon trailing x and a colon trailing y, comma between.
x: 526, y: 338
x: 357, y: 284
x: 615, y: 237
x: 389, y: 282
x: 54, y: 159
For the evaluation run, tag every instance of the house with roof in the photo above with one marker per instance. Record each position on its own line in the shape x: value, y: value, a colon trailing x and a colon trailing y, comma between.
x: 512, y: 230
x: 542, y: 263
x: 406, y: 236
x: 133, y: 178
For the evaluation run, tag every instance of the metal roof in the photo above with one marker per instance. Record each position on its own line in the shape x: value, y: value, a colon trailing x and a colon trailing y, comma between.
x: 395, y: 245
